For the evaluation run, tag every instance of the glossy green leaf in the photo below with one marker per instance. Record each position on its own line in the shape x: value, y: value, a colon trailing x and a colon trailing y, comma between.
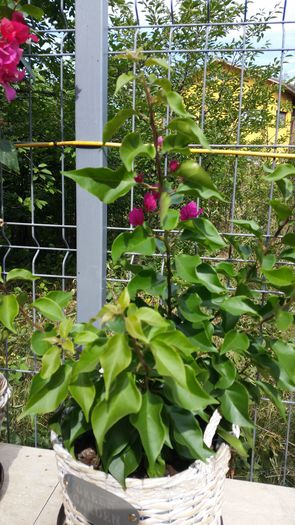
x: 286, y: 356
x: 150, y: 282
x: 106, y: 184
x: 125, y: 400
x: 49, y: 308
x: 289, y: 239
x: 238, y: 305
x: 9, y: 309
x: 288, y: 254
x: 282, y: 211
x: 197, y: 179
x: 83, y: 391
x: 170, y: 222
x: 115, y: 357
x: 176, y: 143
x: 226, y: 369
x: 88, y: 359
x: 46, y: 396
x: 150, y: 426
x: 201, y: 230
x: 273, y: 394
x: 280, y: 172
x: 137, y: 240
x: 168, y: 361
x: 112, y: 126
x: 284, y: 320
x: 19, y: 274
x: 132, y: 147
x: 186, y: 267
x: 189, y: 306
x: 152, y: 317
x: 177, y: 340
x: 249, y: 226
x: 176, y: 103
x: 280, y: 277
x: 33, y: 11
x: 207, y: 276
x: 235, y: 405
x: 226, y: 268
x: 60, y: 297
x: 188, y: 127
x: 123, y: 80
x: 268, y: 262
x: 40, y: 341
x: 8, y: 155
x: 187, y: 432
x: 193, y: 398
x: 233, y: 441
x: 157, y: 62
x: 286, y: 188
x: 51, y: 361
x: 235, y: 342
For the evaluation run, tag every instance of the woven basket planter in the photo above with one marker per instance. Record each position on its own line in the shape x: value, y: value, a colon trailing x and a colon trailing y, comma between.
x: 4, y: 396
x: 191, y: 497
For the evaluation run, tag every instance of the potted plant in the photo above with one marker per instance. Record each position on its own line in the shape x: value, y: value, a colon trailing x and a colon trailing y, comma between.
x: 179, y: 348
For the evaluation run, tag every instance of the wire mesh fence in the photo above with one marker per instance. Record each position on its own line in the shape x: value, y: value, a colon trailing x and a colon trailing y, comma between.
x: 233, y: 62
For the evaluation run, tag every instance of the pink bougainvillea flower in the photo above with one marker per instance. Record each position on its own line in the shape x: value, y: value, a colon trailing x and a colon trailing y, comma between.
x: 139, y: 178
x: 136, y: 217
x: 190, y: 211
x: 160, y: 141
x: 174, y: 165
x: 150, y: 202
x: 10, y: 55
x: 16, y: 31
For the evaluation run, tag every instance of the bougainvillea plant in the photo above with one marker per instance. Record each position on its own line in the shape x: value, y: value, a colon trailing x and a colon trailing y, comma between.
x: 175, y: 345
x: 14, y: 33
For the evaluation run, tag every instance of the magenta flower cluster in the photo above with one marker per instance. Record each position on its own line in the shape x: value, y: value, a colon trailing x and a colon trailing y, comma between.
x: 13, y: 33
x: 151, y: 199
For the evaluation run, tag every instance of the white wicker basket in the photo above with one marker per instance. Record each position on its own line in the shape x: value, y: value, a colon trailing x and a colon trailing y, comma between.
x: 5, y: 393
x: 192, y: 497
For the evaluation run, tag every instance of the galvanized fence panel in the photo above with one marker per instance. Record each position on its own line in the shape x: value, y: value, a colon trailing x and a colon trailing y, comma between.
x: 218, y: 35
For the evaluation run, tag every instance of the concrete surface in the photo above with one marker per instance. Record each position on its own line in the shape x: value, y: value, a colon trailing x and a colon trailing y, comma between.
x: 31, y: 495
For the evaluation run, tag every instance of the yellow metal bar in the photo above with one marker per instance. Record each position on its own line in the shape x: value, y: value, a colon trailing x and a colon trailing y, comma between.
x: 197, y: 151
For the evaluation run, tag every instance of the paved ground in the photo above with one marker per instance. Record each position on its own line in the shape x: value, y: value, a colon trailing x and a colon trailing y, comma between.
x: 31, y: 496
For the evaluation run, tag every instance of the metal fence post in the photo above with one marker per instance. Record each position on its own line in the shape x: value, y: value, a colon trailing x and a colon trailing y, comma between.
x: 91, y: 109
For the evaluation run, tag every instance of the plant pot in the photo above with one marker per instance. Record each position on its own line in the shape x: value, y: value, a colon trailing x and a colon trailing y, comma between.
x: 193, y: 496
x: 4, y: 396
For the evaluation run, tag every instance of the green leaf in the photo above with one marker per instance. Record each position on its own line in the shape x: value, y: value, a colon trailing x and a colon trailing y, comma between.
x: 106, y: 184
x: 132, y: 147
x: 152, y: 317
x: 115, y: 357
x: 170, y: 222
x: 149, y: 423
x: 207, y: 276
x: 288, y: 254
x: 186, y: 267
x: 9, y: 309
x: 176, y: 103
x: 168, y: 361
x: 46, y: 396
x: 280, y: 172
x: 60, y: 297
x: 115, y: 123
x: 187, y: 432
x: 226, y: 268
x: 125, y: 400
x: 8, y: 155
x: 249, y: 226
x: 286, y: 356
x: 176, y: 143
x: 51, y: 361
x: 19, y: 274
x: 280, y: 277
x: 235, y: 342
x: 268, y: 261
x: 137, y: 240
x: 40, y: 343
x: 150, y: 282
x: 33, y: 11
x: 178, y: 340
x: 233, y: 441
x: 286, y: 188
x: 122, y: 80
x: 189, y: 306
x: 282, y: 210
x: 157, y: 62
x: 49, y: 308
x: 226, y: 369
x: 238, y: 305
x: 193, y: 398
x: 197, y: 179
x: 202, y: 230
x: 83, y: 391
x: 273, y: 395
x: 188, y: 127
x: 289, y: 239
x: 235, y: 405
x: 284, y: 320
